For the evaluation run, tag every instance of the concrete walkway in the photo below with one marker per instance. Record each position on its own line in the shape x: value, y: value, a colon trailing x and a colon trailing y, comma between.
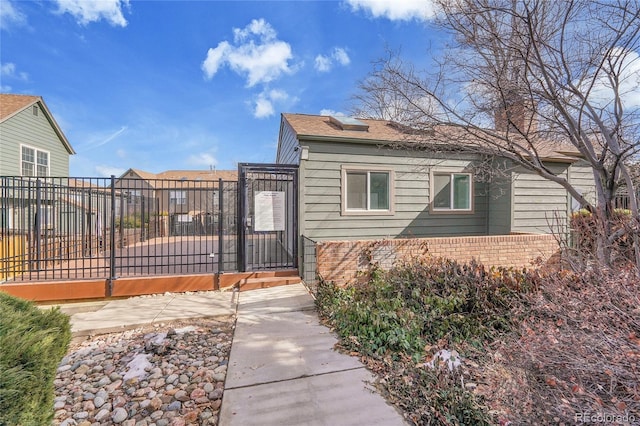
x: 283, y: 369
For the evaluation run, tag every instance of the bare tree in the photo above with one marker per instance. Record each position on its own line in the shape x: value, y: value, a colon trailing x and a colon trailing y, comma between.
x: 525, y: 76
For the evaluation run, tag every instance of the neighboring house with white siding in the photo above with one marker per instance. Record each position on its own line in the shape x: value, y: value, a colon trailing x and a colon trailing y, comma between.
x: 356, y: 183
x: 31, y: 142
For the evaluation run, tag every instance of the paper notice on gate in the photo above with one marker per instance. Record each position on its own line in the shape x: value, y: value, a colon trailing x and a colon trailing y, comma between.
x: 269, y: 210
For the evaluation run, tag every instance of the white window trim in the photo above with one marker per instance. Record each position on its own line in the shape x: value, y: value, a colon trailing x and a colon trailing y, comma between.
x: 35, y: 161
x: 370, y: 169
x: 451, y: 210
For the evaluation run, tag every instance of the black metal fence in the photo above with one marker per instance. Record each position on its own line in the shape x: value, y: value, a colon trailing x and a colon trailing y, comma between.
x: 268, y: 211
x: 74, y: 228
x: 308, y: 271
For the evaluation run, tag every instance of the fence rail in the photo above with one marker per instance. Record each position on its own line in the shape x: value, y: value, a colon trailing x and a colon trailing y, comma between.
x: 73, y: 228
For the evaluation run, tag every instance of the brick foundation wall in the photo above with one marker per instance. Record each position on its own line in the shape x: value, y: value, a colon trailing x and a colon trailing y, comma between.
x: 346, y: 262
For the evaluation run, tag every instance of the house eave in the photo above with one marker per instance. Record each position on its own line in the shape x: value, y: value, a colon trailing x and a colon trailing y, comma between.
x: 56, y: 128
x: 50, y: 119
x: 329, y: 139
x: 316, y: 138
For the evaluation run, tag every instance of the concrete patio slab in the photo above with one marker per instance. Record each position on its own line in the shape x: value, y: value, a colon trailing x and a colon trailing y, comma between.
x: 199, y: 305
x: 137, y: 311
x: 286, y: 298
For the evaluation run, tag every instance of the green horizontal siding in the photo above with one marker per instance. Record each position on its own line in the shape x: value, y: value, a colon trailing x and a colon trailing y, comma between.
x: 539, y: 205
x: 321, y: 194
x: 34, y: 131
x: 499, y: 206
x: 581, y: 177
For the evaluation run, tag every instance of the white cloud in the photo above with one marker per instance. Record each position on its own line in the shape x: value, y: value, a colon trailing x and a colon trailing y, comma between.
x: 264, y: 108
x: 256, y: 54
x: 265, y: 103
x: 628, y: 70
x: 332, y: 113
x: 106, y: 171
x: 258, y: 27
x: 339, y: 55
x: 10, y: 16
x: 215, y: 58
x: 87, y: 11
x: 323, y: 63
x: 203, y: 159
x: 8, y: 70
x: 99, y: 139
x: 395, y: 10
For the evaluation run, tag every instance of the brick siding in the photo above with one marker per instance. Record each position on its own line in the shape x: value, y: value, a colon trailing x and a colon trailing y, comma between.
x: 347, y: 262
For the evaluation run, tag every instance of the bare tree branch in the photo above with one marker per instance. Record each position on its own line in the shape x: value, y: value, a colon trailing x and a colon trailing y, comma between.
x: 521, y: 77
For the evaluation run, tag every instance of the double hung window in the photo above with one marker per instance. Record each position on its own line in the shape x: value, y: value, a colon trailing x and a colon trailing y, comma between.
x: 34, y: 162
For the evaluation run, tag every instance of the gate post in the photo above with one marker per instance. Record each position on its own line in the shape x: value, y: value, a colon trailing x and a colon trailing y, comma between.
x: 38, y: 223
x: 242, y: 216
x: 112, y: 238
x: 220, y: 227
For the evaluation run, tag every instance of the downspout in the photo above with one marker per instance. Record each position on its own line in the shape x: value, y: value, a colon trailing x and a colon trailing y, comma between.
x: 304, y: 156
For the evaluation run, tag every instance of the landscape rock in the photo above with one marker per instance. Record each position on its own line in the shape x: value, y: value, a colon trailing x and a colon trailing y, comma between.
x: 182, y: 384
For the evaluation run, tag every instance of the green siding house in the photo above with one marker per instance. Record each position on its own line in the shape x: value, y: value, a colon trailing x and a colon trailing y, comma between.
x: 359, y: 182
x: 31, y: 142
x: 34, y: 151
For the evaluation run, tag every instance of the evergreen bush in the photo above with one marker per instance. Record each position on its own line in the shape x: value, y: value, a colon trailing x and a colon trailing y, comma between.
x: 32, y: 342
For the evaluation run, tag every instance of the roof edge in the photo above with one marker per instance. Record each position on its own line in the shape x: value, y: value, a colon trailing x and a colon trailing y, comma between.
x: 50, y: 119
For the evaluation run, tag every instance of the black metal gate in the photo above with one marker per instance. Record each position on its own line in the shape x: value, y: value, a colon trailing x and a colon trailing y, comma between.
x: 268, y: 212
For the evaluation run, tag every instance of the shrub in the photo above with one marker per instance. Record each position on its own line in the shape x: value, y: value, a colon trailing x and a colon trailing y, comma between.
x: 420, y: 305
x: 132, y: 221
x: 460, y: 302
x: 371, y: 318
x: 423, y: 302
x: 583, y: 226
x: 33, y: 342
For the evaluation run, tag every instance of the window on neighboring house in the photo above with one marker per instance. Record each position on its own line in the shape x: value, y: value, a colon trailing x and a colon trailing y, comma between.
x: 367, y: 191
x: 177, y: 198
x: 451, y: 192
x: 34, y: 162
x: 134, y: 196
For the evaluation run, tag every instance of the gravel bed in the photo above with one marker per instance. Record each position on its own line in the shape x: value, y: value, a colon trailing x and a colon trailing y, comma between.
x: 167, y: 374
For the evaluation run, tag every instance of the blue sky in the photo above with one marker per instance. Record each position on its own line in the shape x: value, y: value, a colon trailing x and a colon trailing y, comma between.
x: 162, y: 85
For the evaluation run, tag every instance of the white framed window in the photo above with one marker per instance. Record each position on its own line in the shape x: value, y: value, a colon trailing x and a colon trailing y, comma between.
x: 451, y: 192
x: 367, y: 190
x: 177, y: 198
x: 33, y: 162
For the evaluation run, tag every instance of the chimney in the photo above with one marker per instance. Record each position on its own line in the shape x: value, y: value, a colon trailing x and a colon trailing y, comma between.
x: 515, y: 114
